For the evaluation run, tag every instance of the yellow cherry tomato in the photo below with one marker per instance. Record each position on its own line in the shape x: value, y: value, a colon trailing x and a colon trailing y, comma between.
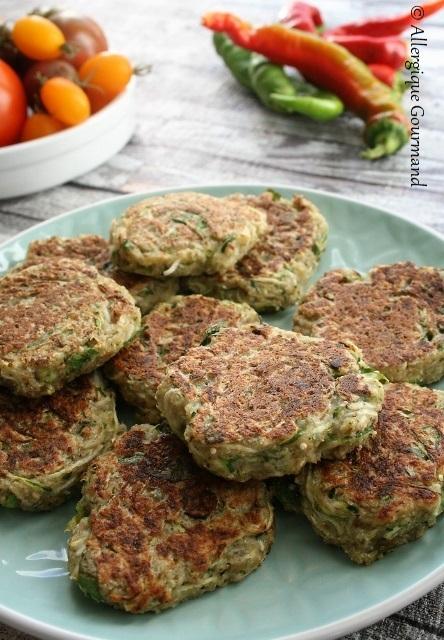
x: 106, y: 74
x: 38, y: 38
x: 65, y: 101
x: 39, y: 125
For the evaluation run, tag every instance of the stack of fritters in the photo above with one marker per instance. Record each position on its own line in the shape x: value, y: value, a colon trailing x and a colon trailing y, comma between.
x: 71, y: 307
x: 309, y: 411
x: 390, y: 491
x: 273, y: 274
x: 59, y: 321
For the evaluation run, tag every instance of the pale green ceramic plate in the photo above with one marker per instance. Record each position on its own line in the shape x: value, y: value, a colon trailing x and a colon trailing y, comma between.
x: 305, y: 589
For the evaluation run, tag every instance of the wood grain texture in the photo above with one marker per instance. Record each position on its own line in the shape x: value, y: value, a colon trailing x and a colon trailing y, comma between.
x: 197, y: 126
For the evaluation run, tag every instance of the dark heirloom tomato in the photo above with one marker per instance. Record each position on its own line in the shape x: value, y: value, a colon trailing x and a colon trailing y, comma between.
x: 12, y: 105
x: 9, y: 52
x: 39, y: 72
x: 83, y: 36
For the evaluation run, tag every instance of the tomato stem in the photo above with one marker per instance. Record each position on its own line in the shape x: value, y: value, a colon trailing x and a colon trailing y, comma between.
x: 142, y: 69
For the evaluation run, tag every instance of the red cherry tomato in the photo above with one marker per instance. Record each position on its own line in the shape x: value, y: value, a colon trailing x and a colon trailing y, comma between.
x: 12, y: 105
x: 39, y: 72
x: 84, y: 37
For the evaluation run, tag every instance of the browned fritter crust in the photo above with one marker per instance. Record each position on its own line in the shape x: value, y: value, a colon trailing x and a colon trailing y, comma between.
x: 92, y: 249
x: 45, y: 443
x: 390, y: 491
x: 158, y: 526
x: 259, y: 401
x: 395, y: 315
x: 58, y: 319
x: 290, y: 234
x: 274, y: 272
x: 184, y: 233
x: 168, y: 332
x: 282, y: 393
x: 34, y: 433
x: 52, y: 288
x: 96, y: 251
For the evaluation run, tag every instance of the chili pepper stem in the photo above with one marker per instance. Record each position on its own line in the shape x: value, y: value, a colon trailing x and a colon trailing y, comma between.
x: 387, y: 148
x: 384, y: 137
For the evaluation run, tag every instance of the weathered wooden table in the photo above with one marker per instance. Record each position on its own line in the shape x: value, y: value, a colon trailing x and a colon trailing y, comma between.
x: 196, y: 126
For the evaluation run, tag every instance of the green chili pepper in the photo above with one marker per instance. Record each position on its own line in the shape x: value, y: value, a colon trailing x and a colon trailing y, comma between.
x: 236, y: 58
x: 268, y: 80
x: 278, y: 91
x: 273, y: 86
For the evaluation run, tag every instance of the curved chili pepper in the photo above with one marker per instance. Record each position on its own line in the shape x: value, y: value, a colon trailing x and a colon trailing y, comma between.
x: 237, y: 59
x: 391, y: 51
x: 331, y: 67
x: 391, y: 78
x: 273, y: 86
x: 279, y: 92
x: 382, y: 27
x: 300, y: 15
x: 384, y: 73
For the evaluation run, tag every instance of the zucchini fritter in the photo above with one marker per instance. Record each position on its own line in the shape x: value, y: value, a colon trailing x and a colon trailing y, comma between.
x: 390, y: 491
x: 47, y: 443
x: 187, y: 233
x: 60, y: 319
x: 274, y: 272
x: 258, y: 402
x: 395, y: 315
x: 153, y: 529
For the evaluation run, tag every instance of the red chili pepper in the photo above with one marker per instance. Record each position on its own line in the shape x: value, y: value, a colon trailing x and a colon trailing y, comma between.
x: 392, y: 78
x: 391, y: 51
x: 394, y: 26
x: 300, y: 15
x: 384, y: 73
x: 329, y: 66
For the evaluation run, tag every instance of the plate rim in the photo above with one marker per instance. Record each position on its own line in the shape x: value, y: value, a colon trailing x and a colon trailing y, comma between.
x: 330, y: 631
x: 218, y: 185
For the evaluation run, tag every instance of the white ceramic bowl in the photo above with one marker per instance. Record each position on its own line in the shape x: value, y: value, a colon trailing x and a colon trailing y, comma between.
x: 46, y: 162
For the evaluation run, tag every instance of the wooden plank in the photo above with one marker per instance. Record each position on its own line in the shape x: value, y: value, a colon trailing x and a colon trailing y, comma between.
x: 196, y: 125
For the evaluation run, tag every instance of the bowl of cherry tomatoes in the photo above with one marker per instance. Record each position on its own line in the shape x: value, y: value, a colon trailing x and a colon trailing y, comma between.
x: 66, y: 101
